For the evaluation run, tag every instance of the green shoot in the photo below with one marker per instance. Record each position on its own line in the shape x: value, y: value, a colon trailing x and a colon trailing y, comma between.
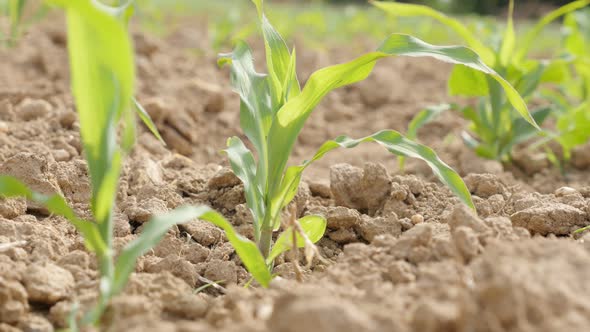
x: 15, y: 10
x: 102, y: 85
x: 273, y: 110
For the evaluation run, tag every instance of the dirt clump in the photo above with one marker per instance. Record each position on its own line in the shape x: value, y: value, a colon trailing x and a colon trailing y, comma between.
x: 293, y: 314
x: 47, y: 283
x: 13, y: 299
x: 362, y: 189
x: 556, y: 218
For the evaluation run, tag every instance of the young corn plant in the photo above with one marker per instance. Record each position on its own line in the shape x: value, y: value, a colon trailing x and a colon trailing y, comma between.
x: 102, y: 70
x: 273, y: 110
x: 494, y: 128
x: 572, y: 97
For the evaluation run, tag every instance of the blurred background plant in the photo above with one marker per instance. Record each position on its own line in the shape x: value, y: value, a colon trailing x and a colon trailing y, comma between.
x: 494, y: 129
x: 16, y: 16
x: 485, y: 7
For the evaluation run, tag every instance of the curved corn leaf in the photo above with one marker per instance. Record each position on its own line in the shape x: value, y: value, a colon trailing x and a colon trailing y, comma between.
x: 422, y: 118
x: 159, y: 225
x: 395, y: 143
x: 147, y: 120
x: 412, y: 10
x: 11, y: 187
x: 313, y: 227
x: 291, y: 117
x: 533, y: 33
x: 244, y: 167
x: 255, y: 106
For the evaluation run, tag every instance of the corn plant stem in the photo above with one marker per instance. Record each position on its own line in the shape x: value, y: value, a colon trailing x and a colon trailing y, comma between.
x: 263, y: 170
x: 106, y: 267
x: 265, y: 240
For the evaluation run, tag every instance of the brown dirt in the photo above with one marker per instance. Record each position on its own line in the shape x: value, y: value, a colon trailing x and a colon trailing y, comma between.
x: 402, y: 254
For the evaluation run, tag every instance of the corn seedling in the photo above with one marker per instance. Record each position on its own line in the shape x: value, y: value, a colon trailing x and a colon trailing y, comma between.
x: 18, y: 21
x: 273, y: 110
x: 494, y: 128
x: 572, y: 98
x: 102, y: 70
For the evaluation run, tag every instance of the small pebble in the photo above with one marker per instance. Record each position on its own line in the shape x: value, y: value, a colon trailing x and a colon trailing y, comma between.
x: 31, y: 109
x: 61, y: 155
x: 3, y: 127
x: 565, y: 191
x: 417, y: 219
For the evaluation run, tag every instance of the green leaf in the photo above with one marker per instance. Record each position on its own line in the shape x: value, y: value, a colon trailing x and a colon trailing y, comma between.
x: 147, y: 120
x: 292, y: 116
x: 422, y: 118
x: 395, y: 143
x: 533, y: 33
x: 467, y: 82
x: 157, y: 227
x: 244, y: 167
x: 102, y: 84
x: 412, y: 10
x: 15, y: 8
x: 278, y: 60
x: 292, y: 88
x: 255, y: 108
x: 574, y: 128
x: 575, y: 41
x: 11, y: 187
x: 313, y: 226
x: 509, y: 40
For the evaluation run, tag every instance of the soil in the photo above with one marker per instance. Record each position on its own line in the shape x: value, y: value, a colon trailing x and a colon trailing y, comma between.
x: 400, y: 253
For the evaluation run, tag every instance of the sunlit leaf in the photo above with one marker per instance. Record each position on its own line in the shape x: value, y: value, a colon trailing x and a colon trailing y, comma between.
x: 467, y: 82
x: 278, y: 60
x: 102, y: 84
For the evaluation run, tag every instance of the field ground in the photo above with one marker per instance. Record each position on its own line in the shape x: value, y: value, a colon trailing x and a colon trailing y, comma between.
x: 400, y: 253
